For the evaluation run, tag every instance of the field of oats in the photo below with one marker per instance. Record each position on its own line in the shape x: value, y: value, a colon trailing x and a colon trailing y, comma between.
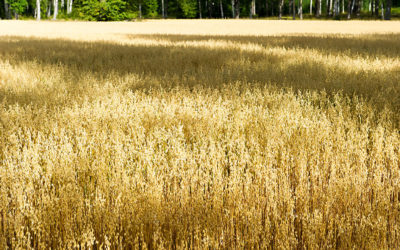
x: 200, y: 134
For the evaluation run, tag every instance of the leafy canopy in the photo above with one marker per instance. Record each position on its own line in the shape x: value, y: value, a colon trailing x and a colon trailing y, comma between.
x: 110, y: 10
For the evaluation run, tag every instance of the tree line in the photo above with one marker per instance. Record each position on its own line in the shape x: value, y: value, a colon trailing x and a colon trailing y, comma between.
x: 116, y: 10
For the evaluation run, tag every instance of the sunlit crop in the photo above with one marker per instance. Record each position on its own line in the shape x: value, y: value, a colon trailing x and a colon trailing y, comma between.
x: 212, y: 141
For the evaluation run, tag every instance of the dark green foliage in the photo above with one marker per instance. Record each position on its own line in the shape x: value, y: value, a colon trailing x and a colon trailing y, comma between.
x: 150, y: 8
x: 2, y: 14
x: 117, y: 10
x: 187, y: 8
x: 17, y: 6
x: 110, y: 10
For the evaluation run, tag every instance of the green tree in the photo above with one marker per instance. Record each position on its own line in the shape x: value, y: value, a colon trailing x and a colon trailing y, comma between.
x: 187, y: 8
x: 111, y: 10
x: 17, y: 6
x: 150, y: 8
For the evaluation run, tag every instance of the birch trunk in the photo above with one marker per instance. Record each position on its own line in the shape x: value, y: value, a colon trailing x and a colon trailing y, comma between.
x: 330, y: 7
x: 342, y: 6
x: 162, y: 9
x: 233, y: 8
x: 253, y: 8
x: 280, y: 8
x: 301, y: 9
x: 338, y: 8
x: 318, y: 7
x: 55, y: 10
x: 310, y: 7
x: 38, y: 10
x: 69, y: 6
x: 49, y: 8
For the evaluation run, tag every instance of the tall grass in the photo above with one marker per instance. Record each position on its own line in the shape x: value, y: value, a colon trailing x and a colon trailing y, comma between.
x: 189, y: 141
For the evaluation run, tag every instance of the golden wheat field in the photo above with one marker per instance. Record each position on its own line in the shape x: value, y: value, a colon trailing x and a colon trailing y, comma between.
x: 185, y: 134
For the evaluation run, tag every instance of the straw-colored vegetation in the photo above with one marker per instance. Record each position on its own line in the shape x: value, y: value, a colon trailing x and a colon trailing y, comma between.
x: 185, y: 141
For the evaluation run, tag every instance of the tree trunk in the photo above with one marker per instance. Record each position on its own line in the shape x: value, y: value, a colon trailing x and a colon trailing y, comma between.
x: 330, y: 7
x: 266, y: 8
x: 382, y: 12
x: 359, y: 8
x: 233, y: 8
x: 294, y: 9
x: 334, y: 12
x: 221, y: 8
x: 69, y: 6
x: 7, y: 10
x: 200, y: 14
x: 55, y: 10
x: 377, y: 8
x: 162, y: 9
x: 237, y: 9
x: 62, y: 5
x: 140, y: 10
x: 349, y: 10
x: 49, y: 8
x: 301, y: 9
x: 342, y: 6
x: 38, y: 10
x: 352, y: 6
x: 388, y: 10
x: 338, y: 8
x: 280, y: 8
x: 318, y: 6
x: 373, y: 12
x: 253, y: 8
x: 310, y: 7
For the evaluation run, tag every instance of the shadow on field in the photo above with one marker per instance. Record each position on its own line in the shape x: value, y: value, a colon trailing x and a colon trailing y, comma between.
x: 170, y: 65
x: 371, y: 45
